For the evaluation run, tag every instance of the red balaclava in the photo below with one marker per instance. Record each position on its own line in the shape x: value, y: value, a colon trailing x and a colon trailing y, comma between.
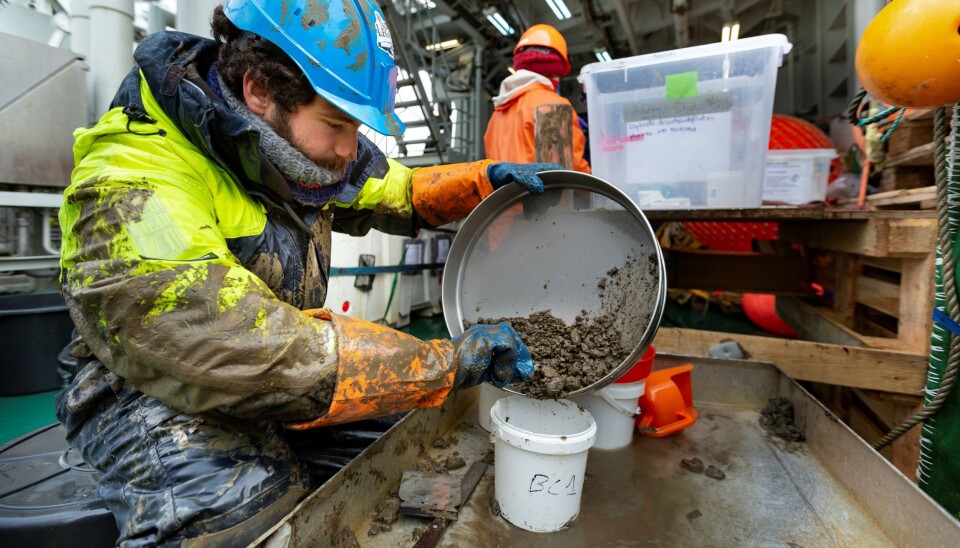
x: 542, y: 60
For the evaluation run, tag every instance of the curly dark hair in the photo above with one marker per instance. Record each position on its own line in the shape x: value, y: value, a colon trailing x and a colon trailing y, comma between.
x: 284, y: 80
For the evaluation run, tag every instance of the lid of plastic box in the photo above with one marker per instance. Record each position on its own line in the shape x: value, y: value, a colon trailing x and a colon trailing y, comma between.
x: 778, y: 41
x: 827, y: 153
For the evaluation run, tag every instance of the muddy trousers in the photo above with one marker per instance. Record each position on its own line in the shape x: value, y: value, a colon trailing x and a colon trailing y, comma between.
x: 173, y: 479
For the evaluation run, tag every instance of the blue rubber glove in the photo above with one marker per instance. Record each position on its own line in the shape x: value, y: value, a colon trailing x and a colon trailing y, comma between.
x: 491, y: 353
x: 524, y: 175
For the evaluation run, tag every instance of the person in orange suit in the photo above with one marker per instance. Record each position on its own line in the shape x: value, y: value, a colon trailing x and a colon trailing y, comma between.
x: 540, y: 60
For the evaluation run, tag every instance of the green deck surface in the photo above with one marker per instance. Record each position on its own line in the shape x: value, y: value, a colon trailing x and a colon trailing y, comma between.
x: 427, y: 327
x: 22, y: 414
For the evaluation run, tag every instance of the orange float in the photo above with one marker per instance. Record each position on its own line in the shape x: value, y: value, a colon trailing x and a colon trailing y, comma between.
x: 909, y: 55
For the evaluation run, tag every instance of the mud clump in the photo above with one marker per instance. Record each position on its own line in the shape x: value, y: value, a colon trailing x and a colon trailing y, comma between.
x: 570, y: 357
x: 777, y: 419
x: 454, y: 463
x: 388, y: 511
x: 715, y: 473
x: 441, y: 465
x: 694, y: 465
x: 567, y: 357
x: 345, y: 539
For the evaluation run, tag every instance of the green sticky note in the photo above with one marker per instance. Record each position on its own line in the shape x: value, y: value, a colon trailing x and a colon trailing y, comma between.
x: 682, y: 85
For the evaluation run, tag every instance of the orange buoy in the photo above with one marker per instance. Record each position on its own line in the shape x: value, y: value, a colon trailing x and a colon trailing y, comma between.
x: 909, y: 55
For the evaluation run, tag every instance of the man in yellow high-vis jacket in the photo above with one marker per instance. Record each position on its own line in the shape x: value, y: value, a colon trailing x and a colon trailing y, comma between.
x: 196, y: 247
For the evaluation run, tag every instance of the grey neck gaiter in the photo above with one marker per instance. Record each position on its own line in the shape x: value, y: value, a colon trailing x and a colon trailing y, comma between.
x: 311, y: 184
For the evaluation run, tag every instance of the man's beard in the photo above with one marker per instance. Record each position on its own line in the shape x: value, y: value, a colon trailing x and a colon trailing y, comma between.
x: 280, y: 123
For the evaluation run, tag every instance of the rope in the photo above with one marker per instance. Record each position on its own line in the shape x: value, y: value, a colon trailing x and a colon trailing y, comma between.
x: 893, y: 126
x: 853, y: 111
x: 945, y: 234
x: 853, y: 115
x: 882, y: 115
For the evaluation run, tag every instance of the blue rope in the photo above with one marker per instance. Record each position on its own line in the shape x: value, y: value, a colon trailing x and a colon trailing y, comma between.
x: 893, y: 126
x: 878, y: 116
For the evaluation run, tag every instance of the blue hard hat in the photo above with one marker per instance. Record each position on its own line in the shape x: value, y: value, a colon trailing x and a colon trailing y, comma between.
x: 343, y: 47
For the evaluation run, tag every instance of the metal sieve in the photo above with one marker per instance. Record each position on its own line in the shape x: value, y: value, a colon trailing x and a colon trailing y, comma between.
x: 518, y: 253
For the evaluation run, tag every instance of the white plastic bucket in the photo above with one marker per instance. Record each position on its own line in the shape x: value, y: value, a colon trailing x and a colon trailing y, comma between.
x: 615, y: 409
x: 541, y: 456
x: 489, y: 394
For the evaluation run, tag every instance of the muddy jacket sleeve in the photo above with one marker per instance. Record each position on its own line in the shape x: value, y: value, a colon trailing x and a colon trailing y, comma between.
x: 164, y: 305
x: 406, y: 199
x: 160, y: 299
x: 157, y: 296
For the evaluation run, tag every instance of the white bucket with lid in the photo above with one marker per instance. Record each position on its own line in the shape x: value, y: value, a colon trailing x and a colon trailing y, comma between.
x: 489, y: 394
x: 541, y: 457
x: 615, y: 409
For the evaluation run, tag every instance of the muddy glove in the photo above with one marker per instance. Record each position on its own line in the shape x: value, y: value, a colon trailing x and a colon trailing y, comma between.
x: 524, y: 175
x: 491, y: 353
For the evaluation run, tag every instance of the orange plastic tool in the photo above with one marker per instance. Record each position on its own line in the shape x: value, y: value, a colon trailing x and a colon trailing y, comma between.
x: 667, y: 402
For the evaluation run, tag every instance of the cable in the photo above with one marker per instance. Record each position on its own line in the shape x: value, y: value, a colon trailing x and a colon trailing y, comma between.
x: 393, y: 288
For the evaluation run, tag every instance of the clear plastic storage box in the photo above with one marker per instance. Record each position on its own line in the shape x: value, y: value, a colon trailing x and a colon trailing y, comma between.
x: 797, y: 176
x: 686, y: 128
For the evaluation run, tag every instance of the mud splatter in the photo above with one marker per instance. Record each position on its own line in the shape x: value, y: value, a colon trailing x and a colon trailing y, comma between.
x: 777, y: 419
x: 715, y: 473
x: 361, y: 61
x: 454, y: 463
x: 426, y: 464
x: 314, y: 13
x: 387, y: 513
x: 351, y: 32
x: 345, y: 538
x: 267, y: 267
x: 694, y: 465
x: 555, y: 134
x: 629, y: 295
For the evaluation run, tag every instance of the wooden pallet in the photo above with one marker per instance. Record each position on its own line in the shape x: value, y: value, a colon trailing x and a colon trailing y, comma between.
x: 910, y: 153
x: 878, y: 278
x: 882, y: 290
x: 863, y: 346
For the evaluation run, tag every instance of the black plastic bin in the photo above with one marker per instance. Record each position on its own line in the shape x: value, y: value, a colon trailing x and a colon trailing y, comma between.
x: 48, y: 495
x: 34, y: 328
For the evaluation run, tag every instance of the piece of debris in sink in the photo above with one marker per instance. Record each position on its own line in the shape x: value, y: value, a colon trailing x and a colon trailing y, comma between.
x: 777, y: 419
x: 694, y: 465
x: 454, y: 463
x: 715, y: 473
x: 345, y: 539
x: 426, y: 464
x: 387, y: 513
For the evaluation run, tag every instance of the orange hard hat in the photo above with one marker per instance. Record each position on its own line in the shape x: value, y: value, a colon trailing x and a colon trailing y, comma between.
x: 909, y: 55
x: 547, y: 36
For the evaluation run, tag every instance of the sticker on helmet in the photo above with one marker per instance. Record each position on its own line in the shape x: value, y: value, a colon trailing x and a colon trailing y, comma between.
x: 384, y: 41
